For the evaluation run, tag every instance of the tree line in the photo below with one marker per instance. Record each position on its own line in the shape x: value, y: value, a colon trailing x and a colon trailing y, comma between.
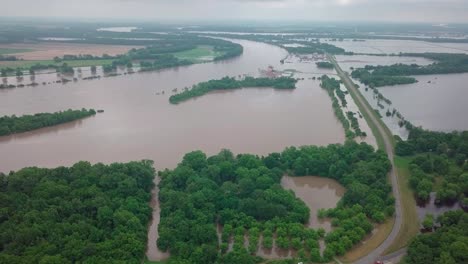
x: 228, y: 190
x: 79, y: 214
x: 325, y: 65
x: 437, y: 154
x: 348, y: 121
x: 228, y: 83
x: 13, y: 124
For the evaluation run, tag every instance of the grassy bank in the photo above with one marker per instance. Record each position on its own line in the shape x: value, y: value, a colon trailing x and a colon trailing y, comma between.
x: 364, y: 248
x: 410, y: 226
x: 198, y: 54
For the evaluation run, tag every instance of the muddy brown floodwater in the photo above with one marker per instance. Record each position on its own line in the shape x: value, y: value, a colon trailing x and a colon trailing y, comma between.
x: 140, y: 124
x: 317, y: 193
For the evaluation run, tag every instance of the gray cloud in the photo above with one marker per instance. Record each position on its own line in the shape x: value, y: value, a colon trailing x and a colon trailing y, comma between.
x: 315, y: 10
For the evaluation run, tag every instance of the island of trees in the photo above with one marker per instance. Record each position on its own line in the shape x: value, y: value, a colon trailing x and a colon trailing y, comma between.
x: 377, y: 76
x: 13, y: 124
x: 81, y: 214
x: 228, y: 83
x: 227, y: 191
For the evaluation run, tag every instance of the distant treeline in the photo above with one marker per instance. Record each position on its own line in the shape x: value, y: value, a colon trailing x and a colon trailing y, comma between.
x: 159, y: 52
x: 316, y: 47
x: 8, y: 58
x: 377, y: 76
x: 13, y: 124
x: 228, y: 83
x: 324, y: 64
x: 373, y: 80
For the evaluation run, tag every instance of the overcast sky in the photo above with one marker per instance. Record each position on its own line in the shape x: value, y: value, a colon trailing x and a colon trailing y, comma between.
x: 433, y: 11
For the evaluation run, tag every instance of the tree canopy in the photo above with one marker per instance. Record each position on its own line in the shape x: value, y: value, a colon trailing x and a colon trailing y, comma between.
x: 81, y: 214
x: 227, y: 190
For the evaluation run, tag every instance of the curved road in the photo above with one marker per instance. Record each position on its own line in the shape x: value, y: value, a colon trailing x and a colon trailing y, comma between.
x: 387, y: 139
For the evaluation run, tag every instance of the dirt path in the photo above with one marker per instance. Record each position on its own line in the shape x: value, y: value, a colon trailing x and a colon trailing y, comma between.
x: 387, y: 140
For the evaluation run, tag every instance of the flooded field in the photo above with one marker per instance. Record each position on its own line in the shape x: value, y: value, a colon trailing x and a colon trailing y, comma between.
x: 435, y: 102
x: 49, y: 50
x: 389, y: 46
x: 146, y: 126
x: 317, y: 193
x: 433, y: 209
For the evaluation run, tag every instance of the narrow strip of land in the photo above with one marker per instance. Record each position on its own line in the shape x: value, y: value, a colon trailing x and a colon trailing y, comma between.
x: 385, y: 142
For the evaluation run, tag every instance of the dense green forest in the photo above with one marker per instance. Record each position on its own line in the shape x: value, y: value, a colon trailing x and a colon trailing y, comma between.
x: 447, y: 245
x: 377, y: 76
x: 228, y: 83
x: 437, y: 155
x: 227, y: 190
x: 13, y: 124
x: 81, y: 214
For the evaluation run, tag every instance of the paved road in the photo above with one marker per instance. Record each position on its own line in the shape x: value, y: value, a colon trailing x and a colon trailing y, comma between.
x: 377, y: 252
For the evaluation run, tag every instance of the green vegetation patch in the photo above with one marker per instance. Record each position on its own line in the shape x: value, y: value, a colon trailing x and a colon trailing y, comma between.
x: 227, y: 190
x: 228, y: 83
x: 198, y: 54
x: 439, y: 155
x: 81, y: 214
x: 448, y: 244
x: 13, y: 124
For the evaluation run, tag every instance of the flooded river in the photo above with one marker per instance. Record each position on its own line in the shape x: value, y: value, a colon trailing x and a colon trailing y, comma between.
x: 140, y: 124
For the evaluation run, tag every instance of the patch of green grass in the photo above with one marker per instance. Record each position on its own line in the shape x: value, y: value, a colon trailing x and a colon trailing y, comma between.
x: 410, y: 225
x: 72, y: 63
x: 155, y: 262
x: 4, y: 51
x: 199, y: 54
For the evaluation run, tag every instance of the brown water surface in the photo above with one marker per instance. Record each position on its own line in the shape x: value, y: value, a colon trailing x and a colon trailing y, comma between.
x: 317, y: 193
x: 139, y: 123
